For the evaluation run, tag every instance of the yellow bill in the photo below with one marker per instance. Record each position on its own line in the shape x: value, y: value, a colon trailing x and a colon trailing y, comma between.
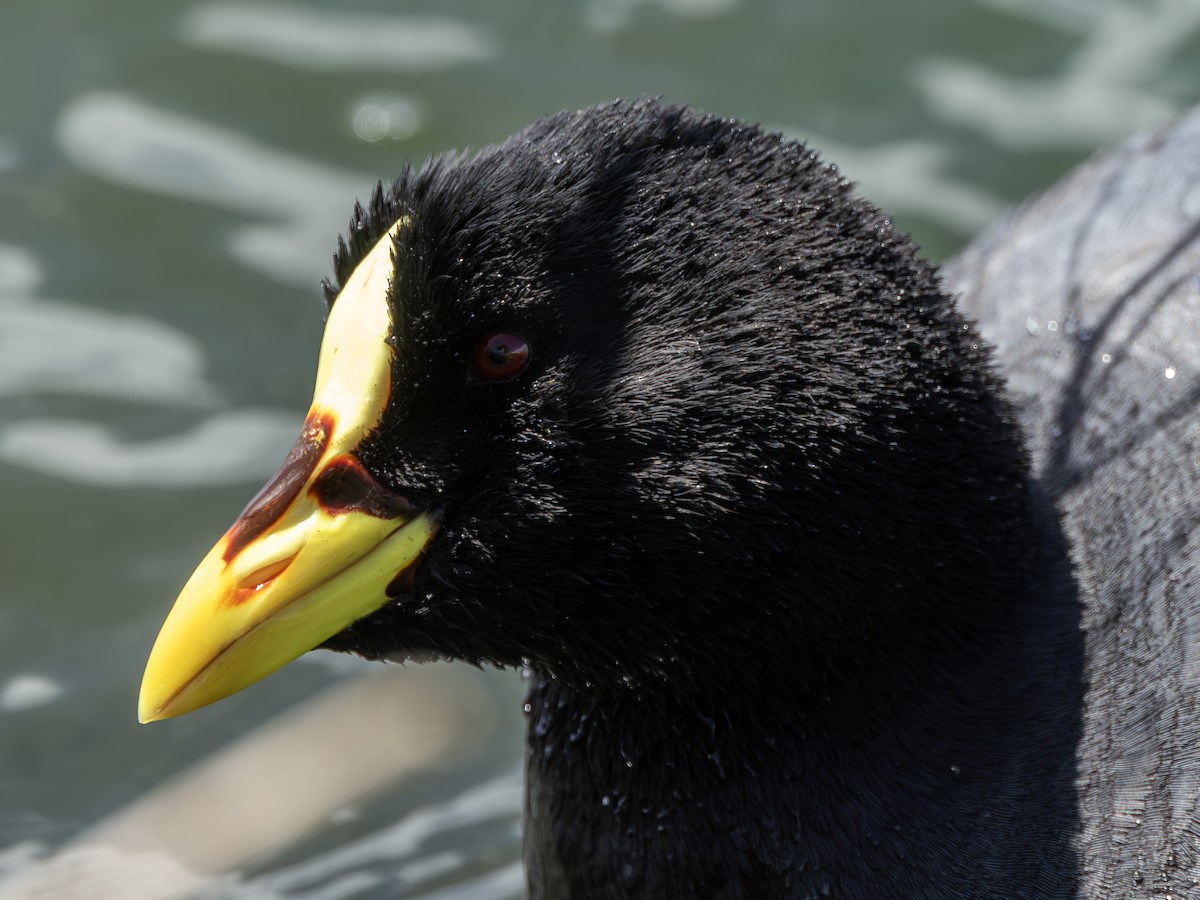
x: 322, y: 545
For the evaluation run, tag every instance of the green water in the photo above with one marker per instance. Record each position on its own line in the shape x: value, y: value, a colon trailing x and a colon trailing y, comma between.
x: 172, y: 177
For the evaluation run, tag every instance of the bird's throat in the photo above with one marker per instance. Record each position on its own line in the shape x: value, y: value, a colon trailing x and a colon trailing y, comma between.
x: 625, y: 793
x: 630, y: 791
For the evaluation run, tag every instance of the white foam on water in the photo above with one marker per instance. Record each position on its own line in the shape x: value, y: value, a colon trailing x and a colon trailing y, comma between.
x: 327, y: 40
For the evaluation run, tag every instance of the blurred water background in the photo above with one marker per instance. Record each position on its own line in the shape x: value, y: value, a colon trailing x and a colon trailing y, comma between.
x: 172, y: 178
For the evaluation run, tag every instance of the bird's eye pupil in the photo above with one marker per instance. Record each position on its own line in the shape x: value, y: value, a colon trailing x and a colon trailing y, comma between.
x: 501, y: 356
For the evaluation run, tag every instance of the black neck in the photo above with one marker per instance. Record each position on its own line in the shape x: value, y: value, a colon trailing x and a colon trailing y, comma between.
x: 921, y: 765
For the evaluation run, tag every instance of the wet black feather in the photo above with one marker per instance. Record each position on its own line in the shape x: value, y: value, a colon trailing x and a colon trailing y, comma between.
x: 757, y: 518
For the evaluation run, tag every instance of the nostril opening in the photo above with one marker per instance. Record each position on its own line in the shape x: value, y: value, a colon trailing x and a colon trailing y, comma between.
x: 259, y: 579
x: 260, y: 576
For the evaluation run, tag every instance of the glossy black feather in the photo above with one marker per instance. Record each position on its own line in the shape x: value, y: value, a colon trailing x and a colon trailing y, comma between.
x: 758, y: 518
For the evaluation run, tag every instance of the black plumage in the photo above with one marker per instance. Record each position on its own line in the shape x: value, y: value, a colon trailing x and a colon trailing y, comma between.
x: 798, y: 618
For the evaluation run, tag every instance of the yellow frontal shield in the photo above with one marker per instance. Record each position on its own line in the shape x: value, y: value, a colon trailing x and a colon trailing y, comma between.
x: 323, y: 544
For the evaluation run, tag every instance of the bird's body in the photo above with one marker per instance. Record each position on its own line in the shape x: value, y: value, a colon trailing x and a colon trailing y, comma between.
x: 1091, y: 295
x: 670, y: 417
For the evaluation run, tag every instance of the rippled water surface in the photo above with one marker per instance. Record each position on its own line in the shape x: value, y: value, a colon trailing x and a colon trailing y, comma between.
x: 172, y: 177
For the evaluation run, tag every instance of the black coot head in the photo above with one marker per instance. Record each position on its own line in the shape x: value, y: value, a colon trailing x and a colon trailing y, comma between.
x: 680, y: 397
x: 632, y: 394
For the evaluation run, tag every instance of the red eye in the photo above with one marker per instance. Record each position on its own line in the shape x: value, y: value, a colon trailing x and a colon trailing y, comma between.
x: 501, y: 356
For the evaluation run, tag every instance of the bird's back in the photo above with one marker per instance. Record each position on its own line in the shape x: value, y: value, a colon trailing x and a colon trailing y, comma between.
x: 1091, y: 294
